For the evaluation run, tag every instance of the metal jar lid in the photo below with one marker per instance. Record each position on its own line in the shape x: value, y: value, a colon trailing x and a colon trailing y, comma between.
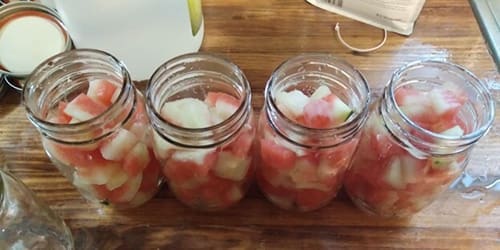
x: 2, y: 2
x: 15, y: 10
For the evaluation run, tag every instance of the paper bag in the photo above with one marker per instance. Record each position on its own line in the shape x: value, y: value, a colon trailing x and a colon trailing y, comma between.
x: 392, y: 15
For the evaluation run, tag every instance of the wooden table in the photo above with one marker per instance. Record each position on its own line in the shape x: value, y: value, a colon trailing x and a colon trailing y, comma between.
x: 258, y: 35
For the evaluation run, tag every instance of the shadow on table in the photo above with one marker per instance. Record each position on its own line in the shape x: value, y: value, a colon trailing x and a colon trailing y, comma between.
x: 252, y: 224
x: 9, y: 101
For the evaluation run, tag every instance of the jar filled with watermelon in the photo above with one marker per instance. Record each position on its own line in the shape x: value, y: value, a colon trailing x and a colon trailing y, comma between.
x: 200, y: 108
x: 94, y: 126
x: 308, y: 130
x: 418, y: 138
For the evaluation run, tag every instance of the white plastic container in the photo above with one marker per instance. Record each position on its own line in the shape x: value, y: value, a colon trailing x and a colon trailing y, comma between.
x: 143, y: 34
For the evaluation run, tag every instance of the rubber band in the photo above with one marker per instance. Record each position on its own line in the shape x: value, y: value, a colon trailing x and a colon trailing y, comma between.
x: 339, y: 36
x: 16, y: 84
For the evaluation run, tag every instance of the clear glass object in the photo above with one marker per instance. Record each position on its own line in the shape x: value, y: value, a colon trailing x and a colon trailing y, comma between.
x: 418, y: 138
x: 481, y: 177
x: 200, y: 108
x: 303, y: 148
x: 26, y: 222
x: 94, y: 126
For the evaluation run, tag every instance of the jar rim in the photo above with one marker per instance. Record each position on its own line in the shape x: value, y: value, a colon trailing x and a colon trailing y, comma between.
x: 169, y: 68
x: 473, y: 81
x: 47, y: 68
x: 347, y: 128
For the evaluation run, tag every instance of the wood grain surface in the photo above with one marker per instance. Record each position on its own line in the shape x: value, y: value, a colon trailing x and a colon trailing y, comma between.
x: 258, y: 35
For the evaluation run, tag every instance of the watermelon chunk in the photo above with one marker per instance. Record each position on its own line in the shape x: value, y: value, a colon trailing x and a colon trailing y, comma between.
x: 141, y: 130
x: 328, y: 173
x: 291, y: 103
x: 117, y: 147
x: 72, y: 155
x: 84, y: 108
x: 317, y: 114
x: 221, y: 106
x: 280, y: 192
x: 60, y: 116
x: 213, y: 98
x: 409, y: 96
x: 231, y: 167
x: 340, y: 112
x: 455, y: 131
x: 88, y: 190
x: 102, y: 91
x: 118, y: 178
x: 432, y: 110
x: 322, y: 110
x: 187, y: 113
x: 242, y: 145
x: 136, y: 160
x: 321, y: 92
x: 276, y: 156
x: 127, y: 191
x: 212, y: 192
x: 304, y: 175
x: 414, y: 104
x: 446, y: 103
x: 233, y: 195
x: 97, y: 174
x: 188, y: 196
x: 112, y: 169
x: 183, y: 168
x: 150, y: 176
x: 162, y: 148
x: 198, y: 156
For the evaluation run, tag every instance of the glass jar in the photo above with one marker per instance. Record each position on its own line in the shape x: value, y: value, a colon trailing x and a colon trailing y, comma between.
x: 200, y: 108
x: 94, y: 126
x: 418, y: 138
x: 308, y: 130
x: 27, y: 222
